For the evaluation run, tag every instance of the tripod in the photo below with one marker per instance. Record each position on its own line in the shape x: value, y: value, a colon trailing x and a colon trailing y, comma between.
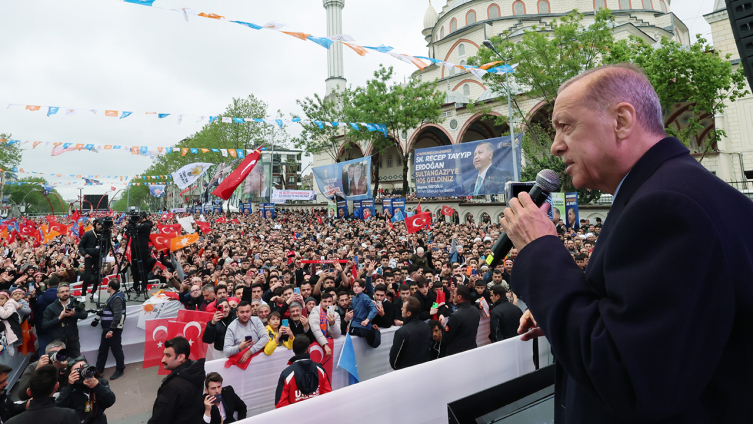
x: 105, y: 247
x: 136, y: 258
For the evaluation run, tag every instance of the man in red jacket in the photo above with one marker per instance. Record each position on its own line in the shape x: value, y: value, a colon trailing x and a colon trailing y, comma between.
x: 303, y: 379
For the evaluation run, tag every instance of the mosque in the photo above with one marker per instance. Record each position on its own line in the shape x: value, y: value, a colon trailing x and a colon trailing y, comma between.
x: 455, y: 32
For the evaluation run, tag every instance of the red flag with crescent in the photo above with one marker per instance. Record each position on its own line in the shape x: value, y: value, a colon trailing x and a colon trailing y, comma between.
x: 203, y: 226
x: 155, y: 336
x: 447, y: 211
x: 169, y: 229
x: 418, y: 221
x: 193, y: 331
x: 162, y: 241
x: 316, y: 351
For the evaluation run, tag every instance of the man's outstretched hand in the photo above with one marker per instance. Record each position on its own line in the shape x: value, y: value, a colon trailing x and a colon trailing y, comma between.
x: 528, y: 327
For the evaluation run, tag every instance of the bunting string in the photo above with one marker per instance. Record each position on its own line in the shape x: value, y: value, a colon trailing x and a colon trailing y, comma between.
x: 98, y: 176
x: 327, y: 42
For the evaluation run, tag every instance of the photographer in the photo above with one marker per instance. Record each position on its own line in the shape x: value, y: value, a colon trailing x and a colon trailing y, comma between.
x: 113, y: 320
x: 42, y: 385
x: 55, y: 354
x: 139, y: 228
x: 88, y: 247
x: 86, y: 394
x: 61, y: 320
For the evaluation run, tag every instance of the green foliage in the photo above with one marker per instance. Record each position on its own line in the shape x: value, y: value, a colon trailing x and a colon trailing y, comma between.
x: 10, y: 155
x: 214, y: 135
x: 328, y: 139
x: 32, y: 196
x: 698, y: 75
x: 400, y: 106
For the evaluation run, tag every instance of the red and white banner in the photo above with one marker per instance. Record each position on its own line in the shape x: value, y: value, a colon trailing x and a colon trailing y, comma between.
x: 232, y: 181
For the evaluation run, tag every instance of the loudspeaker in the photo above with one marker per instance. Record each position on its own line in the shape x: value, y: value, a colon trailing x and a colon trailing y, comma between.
x: 741, y: 18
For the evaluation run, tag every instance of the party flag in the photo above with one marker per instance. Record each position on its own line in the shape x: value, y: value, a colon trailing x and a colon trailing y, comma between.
x: 125, y: 114
x: 32, y: 108
x: 51, y: 110
x: 348, y: 361
x: 111, y: 113
x: 178, y: 243
x: 226, y: 188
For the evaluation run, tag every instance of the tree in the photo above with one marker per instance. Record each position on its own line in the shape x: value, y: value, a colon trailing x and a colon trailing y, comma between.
x: 10, y: 154
x: 32, y: 196
x: 398, y: 106
x: 318, y: 136
x: 546, y: 58
x: 698, y: 76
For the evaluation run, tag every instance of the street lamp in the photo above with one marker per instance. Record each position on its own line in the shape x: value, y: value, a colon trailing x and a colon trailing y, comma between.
x: 488, y: 44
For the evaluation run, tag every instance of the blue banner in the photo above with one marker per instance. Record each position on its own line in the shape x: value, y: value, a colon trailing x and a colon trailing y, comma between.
x: 350, y: 180
x: 342, y: 209
x: 267, y: 209
x: 217, y: 206
x: 357, y: 209
x: 367, y: 209
x: 387, y: 208
x: 157, y: 190
x: 398, y: 208
x: 467, y: 169
x: 571, y: 211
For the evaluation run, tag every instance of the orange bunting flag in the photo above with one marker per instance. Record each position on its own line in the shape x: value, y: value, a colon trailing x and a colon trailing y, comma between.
x: 358, y: 49
x: 36, y: 143
x: 232, y: 152
x: 79, y: 146
x: 486, y: 66
x: 32, y: 108
x: 211, y: 15
x: 112, y: 113
x: 204, y: 150
x: 135, y: 150
x: 108, y: 147
x: 299, y: 35
x: 183, y: 151
x: 178, y: 243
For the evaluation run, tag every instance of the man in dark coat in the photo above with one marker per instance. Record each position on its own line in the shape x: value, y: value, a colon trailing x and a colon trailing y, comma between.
x: 180, y: 399
x: 62, y: 322
x: 633, y: 338
x: 88, y: 397
x: 488, y: 180
x: 225, y: 397
x: 461, y: 327
x: 42, y: 384
x: 88, y: 247
x: 412, y: 341
x: 504, y: 318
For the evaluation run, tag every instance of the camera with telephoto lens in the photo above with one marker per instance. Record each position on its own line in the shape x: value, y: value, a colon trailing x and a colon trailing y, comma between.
x: 61, y: 355
x: 99, y: 313
x: 87, y: 371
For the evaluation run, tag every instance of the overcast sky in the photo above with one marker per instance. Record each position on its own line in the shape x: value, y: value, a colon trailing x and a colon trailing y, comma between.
x: 107, y: 54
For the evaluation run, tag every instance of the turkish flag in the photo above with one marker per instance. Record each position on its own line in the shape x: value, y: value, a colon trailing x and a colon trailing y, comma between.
x: 155, y: 336
x: 417, y: 222
x: 169, y: 229
x: 418, y: 208
x: 235, y: 221
x: 127, y: 253
x: 183, y: 241
x: 75, y: 216
x: 194, y: 332
x: 233, y: 360
x: 220, y: 220
x: 447, y: 211
x: 316, y: 352
x: 60, y: 228
x: 27, y: 229
x: 184, y: 315
x: 50, y: 218
x: 203, y: 226
x: 162, y: 241
x: 169, y: 216
x: 232, y: 181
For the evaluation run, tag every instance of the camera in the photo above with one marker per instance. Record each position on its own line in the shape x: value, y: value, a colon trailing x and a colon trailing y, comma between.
x: 61, y: 355
x: 87, y: 371
x: 107, y: 223
x: 99, y: 313
x: 69, y: 306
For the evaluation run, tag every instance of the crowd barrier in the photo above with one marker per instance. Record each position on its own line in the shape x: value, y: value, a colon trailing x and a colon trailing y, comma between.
x: 423, y: 391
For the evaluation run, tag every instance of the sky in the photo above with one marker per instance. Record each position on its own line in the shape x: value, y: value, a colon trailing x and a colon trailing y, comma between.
x: 108, y: 54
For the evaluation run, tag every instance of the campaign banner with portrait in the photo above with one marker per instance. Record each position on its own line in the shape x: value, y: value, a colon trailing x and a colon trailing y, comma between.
x: 387, y: 207
x: 350, y: 180
x: 367, y: 209
x: 217, y: 207
x: 280, y: 196
x: 558, y: 207
x: 258, y: 182
x: 571, y: 211
x: 157, y: 190
x: 357, y: 209
x: 331, y: 209
x: 342, y: 209
x: 398, y: 208
x: 467, y: 169
x: 267, y: 210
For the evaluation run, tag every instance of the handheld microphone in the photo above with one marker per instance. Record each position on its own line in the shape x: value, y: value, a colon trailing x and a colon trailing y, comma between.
x: 546, y: 181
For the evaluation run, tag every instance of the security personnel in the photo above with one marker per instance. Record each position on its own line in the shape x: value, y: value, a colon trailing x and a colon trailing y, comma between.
x: 461, y: 327
x: 88, y: 247
x: 113, y: 320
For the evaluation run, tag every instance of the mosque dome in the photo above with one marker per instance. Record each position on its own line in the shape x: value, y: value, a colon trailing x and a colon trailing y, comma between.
x: 431, y: 17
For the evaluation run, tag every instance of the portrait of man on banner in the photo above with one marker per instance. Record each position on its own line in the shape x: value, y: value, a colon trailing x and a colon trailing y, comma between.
x: 350, y: 180
x: 257, y: 183
x: 488, y: 179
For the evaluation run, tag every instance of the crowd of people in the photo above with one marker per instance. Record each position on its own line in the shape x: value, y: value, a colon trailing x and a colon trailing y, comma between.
x: 253, y: 275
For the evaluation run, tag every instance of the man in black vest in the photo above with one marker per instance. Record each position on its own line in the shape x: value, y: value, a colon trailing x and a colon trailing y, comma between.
x: 113, y: 320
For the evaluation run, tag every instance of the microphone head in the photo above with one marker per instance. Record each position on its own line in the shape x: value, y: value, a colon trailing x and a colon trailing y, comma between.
x: 548, y: 180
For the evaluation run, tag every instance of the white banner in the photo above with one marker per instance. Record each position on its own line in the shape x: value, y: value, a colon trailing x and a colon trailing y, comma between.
x: 187, y: 175
x: 279, y: 196
x: 186, y: 222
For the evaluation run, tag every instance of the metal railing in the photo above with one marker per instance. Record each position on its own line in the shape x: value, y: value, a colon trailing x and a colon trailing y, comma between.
x: 744, y: 187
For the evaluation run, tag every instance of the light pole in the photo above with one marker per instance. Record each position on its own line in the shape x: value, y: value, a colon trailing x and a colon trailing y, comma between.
x: 488, y: 44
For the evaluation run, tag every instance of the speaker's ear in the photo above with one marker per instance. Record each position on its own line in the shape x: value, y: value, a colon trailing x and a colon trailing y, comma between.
x: 741, y: 19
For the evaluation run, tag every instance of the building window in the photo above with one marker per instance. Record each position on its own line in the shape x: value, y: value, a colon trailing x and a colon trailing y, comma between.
x: 543, y: 6
x: 466, y: 90
x: 389, y: 161
x: 493, y: 11
x: 518, y: 8
x: 463, y: 62
x: 470, y: 17
x: 624, y: 4
x: 441, y: 33
x: 453, y: 25
x: 663, y: 6
x: 461, y: 50
x: 399, y: 160
x: 600, y: 4
x: 452, y: 71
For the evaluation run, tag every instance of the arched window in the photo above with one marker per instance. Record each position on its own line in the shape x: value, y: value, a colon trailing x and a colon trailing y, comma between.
x: 453, y: 25
x: 543, y: 6
x: 600, y: 4
x: 663, y: 6
x: 452, y: 71
x: 441, y: 33
x: 461, y: 49
x: 518, y: 8
x: 462, y: 63
x: 493, y: 11
x: 624, y: 4
x: 470, y: 17
x: 389, y: 161
x: 466, y: 90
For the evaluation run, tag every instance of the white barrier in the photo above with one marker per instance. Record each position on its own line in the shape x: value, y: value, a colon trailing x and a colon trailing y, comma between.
x: 423, y: 390
x: 256, y: 385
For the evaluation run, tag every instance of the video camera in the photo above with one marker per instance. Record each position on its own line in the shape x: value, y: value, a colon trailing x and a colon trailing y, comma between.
x: 135, y: 216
